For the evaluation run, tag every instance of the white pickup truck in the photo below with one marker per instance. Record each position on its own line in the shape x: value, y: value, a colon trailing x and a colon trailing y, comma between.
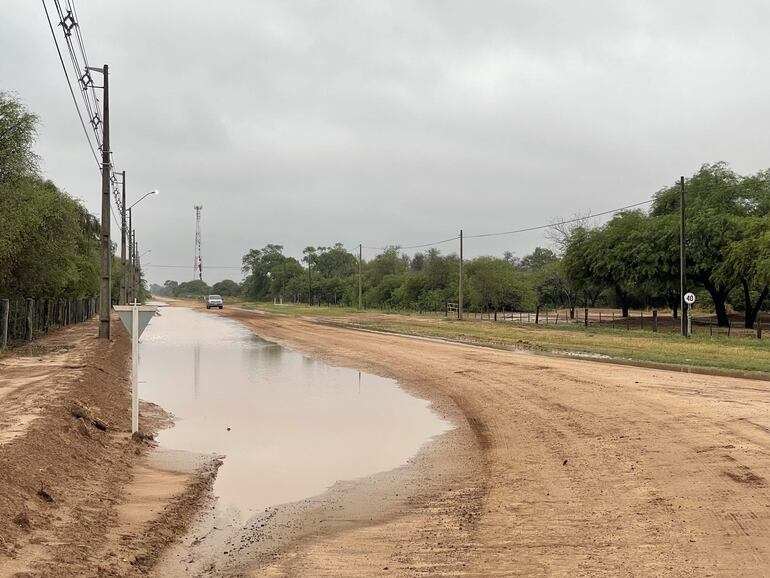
x: 214, y: 301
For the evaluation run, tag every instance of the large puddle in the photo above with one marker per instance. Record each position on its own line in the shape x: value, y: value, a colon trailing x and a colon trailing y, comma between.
x: 288, y: 425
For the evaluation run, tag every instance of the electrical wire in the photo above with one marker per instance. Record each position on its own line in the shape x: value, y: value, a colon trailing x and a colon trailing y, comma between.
x: 568, y: 221
x: 69, y: 23
x: 69, y: 84
x: 187, y: 266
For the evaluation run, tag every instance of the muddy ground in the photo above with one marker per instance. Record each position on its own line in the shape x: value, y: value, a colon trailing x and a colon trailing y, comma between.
x: 72, y: 498
x: 567, y: 467
x: 557, y: 467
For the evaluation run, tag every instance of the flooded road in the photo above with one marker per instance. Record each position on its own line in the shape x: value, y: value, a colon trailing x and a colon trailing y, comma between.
x: 288, y: 425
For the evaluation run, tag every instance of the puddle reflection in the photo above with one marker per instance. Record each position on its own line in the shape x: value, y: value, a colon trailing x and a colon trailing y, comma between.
x: 296, y: 424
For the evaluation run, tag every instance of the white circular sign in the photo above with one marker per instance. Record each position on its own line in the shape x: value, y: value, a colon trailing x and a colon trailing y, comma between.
x: 689, y: 298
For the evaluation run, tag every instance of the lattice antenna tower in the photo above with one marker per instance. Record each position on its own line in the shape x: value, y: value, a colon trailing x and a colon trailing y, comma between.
x: 198, y: 261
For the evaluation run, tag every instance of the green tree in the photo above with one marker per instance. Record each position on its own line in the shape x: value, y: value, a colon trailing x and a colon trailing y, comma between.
x: 494, y: 284
x: 18, y: 130
x: 226, y: 288
x: 194, y: 288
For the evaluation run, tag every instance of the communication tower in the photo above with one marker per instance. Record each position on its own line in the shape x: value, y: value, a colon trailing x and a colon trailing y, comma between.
x: 198, y: 261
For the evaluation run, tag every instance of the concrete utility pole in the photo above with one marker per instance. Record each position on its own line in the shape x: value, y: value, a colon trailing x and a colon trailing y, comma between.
x: 360, y: 255
x: 136, y: 269
x: 123, y: 271
x: 460, y: 299
x: 682, y: 260
x: 105, y: 294
x: 130, y: 267
x: 137, y: 266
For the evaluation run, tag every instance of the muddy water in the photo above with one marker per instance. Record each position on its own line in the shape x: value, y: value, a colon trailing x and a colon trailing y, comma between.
x: 288, y: 425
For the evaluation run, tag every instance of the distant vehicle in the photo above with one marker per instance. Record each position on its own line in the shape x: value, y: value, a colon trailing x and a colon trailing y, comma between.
x: 214, y: 301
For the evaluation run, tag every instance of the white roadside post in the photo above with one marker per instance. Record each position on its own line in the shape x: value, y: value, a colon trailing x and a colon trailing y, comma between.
x: 689, y: 298
x: 135, y: 318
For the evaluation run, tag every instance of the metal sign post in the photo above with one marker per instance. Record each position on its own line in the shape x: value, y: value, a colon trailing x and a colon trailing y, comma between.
x: 135, y: 318
x: 689, y: 299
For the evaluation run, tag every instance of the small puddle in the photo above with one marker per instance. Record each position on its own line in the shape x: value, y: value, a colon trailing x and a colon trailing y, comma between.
x: 296, y: 425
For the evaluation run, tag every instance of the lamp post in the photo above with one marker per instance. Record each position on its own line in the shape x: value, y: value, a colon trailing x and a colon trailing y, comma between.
x: 133, y: 257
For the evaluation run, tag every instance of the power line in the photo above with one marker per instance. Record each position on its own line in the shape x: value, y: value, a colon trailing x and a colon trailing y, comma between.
x: 187, y: 266
x: 69, y: 23
x: 568, y: 221
x: 69, y: 84
x: 512, y: 232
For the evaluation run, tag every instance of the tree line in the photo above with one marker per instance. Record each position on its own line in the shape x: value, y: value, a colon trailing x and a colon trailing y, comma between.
x: 630, y: 261
x: 49, y: 242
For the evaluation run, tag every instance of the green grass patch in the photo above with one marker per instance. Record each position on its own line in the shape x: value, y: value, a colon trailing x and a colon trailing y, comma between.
x: 743, y: 354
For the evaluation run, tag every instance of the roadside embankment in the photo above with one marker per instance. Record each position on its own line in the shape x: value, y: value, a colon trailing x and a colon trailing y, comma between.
x: 68, y: 461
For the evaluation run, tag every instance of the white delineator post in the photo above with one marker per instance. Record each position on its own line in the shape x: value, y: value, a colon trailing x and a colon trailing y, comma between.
x: 135, y: 318
x: 134, y: 368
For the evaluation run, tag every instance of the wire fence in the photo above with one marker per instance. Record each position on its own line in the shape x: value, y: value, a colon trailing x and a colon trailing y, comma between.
x: 24, y: 319
x: 654, y: 321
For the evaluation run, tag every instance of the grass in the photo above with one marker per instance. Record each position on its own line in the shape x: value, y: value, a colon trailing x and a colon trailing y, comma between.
x: 700, y: 350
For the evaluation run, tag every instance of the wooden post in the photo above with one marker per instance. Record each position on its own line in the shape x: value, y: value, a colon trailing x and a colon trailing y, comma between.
x: 654, y: 320
x: 759, y: 329
x: 585, y: 316
x: 5, y: 307
x: 641, y: 320
x: 537, y: 315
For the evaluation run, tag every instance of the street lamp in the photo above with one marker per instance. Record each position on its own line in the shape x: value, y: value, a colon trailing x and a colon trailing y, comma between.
x: 132, y: 257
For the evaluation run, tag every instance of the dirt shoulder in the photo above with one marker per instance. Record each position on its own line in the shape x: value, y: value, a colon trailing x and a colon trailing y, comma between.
x: 582, y: 468
x: 66, y: 482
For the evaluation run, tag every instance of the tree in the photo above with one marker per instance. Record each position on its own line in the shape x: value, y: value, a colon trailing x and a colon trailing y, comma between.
x: 748, y: 260
x: 194, y: 288
x: 259, y: 266
x: 18, y: 130
x: 539, y: 258
x: 719, y: 202
x: 226, y: 288
x: 171, y: 287
x: 493, y: 284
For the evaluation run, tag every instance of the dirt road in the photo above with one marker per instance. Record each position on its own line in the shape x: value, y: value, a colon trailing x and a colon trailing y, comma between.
x: 570, y: 468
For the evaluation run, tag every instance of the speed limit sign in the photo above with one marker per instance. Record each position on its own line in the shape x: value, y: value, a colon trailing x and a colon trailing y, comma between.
x: 689, y: 298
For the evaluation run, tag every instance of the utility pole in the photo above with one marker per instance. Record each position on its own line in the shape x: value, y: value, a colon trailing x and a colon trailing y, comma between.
x: 360, y: 255
x: 135, y: 248
x: 460, y: 299
x: 309, y: 282
x: 105, y: 296
x: 130, y: 267
x: 137, y: 268
x: 682, y: 260
x: 123, y: 271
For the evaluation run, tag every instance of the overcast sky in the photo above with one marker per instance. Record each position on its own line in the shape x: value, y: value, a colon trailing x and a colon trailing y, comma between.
x: 393, y: 122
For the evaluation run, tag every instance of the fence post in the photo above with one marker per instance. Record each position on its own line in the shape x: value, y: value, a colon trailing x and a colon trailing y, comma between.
x: 585, y: 315
x: 759, y: 329
x: 537, y: 315
x: 5, y: 307
x: 30, y: 318
x: 654, y: 320
x: 641, y: 320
